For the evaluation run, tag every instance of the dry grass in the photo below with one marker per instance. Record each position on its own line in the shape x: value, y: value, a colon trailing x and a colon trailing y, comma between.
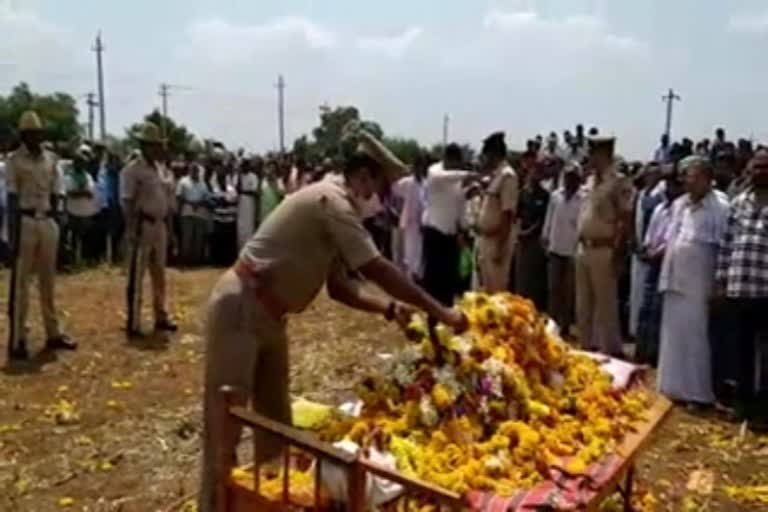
x: 134, y: 444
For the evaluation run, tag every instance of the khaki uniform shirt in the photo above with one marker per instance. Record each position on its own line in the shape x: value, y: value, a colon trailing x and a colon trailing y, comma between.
x: 149, y: 187
x: 501, y: 196
x: 304, y: 239
x: 34, y: 179
x: 604, y: 205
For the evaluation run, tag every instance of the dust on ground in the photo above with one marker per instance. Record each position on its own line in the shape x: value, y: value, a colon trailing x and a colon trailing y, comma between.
x: 115, y: 426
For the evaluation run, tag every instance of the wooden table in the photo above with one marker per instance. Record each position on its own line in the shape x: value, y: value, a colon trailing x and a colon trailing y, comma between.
x: 237, y: 498
x: 629, y: 450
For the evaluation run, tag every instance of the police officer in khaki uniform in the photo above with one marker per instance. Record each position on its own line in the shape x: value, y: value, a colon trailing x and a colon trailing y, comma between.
x: 602, y: 227
x: 314, y: 238
x: 33, y: 185
x: 496, y: 227
x: 146, y: 193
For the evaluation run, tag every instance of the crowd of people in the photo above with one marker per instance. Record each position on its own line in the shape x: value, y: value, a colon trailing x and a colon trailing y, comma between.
x: 670, y: 253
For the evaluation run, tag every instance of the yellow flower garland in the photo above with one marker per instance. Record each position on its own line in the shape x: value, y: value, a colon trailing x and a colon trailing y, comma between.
x: 509, y: 402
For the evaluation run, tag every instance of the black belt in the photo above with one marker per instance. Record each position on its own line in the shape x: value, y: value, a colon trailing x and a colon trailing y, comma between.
x: 143, y: 217
x: 29, y: 212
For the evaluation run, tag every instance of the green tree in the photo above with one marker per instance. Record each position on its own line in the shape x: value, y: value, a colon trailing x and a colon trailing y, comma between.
x: 407, y: 150
x: 58, y: 112
x: 179, y: 139
x: 327, y: 137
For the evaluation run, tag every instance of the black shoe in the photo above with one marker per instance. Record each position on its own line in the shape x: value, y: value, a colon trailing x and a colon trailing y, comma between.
x: 61, y: 343
x: 135, y: 334
x: 167, y: 326
x: 19, y: 352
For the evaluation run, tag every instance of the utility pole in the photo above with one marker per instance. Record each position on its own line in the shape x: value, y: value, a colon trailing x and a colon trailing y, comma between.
x: 90, y: 100
x: 669, y: 98
x: 446, y: 120
x: 99, y: 49
x: 281, y: 111
x: 164, y: 93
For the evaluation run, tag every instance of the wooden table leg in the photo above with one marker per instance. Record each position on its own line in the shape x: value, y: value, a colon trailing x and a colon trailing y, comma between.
x: 629, y: 479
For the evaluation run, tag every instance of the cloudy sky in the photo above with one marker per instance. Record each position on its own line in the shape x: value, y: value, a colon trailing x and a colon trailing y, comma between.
x: 524, y: 66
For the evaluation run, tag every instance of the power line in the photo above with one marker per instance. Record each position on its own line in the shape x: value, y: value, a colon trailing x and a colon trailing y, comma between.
x: 281, y: 111
x: 669, y: 98
x: 99, y: 49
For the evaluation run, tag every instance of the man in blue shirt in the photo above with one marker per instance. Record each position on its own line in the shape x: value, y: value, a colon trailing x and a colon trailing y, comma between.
x: 107, y: 177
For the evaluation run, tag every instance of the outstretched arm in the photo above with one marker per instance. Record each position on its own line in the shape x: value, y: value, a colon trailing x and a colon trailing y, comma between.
x: 351, y: 292
x: 392, y: 281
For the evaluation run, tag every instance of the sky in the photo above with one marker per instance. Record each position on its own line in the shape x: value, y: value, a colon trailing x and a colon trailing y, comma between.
x: 522, y: 66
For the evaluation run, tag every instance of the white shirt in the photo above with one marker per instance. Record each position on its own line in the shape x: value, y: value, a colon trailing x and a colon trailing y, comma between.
x: 444, y: 199
x: 562, y: 221
x: 81, y: 206
x: 191, y: 191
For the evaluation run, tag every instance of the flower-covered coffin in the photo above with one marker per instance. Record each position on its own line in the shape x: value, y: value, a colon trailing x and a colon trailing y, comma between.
x: 494, y: 408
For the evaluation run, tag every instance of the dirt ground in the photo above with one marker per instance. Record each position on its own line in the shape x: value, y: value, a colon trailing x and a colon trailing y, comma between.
x: 115, y: 426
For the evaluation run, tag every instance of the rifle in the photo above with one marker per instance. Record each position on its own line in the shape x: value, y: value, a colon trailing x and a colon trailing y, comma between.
x: 14, y: 231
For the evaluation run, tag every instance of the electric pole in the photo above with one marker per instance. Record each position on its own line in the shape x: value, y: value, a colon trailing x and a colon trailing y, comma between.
x: 446, y: 120
x: 99, y: 49
x: 164, y: 93
x: 90, y: 100
x: 669, y: 98
x: 281, y: 111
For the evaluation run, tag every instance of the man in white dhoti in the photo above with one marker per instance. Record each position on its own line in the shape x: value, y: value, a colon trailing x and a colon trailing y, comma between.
x: 645, y: 202
x: 248, y: 184
x: 410, y: 190
x: 696, y: 228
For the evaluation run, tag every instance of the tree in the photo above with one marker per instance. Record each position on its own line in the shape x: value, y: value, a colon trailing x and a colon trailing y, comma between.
x: 58, y: 112
x: 179, y: 139
x: 407, y: 150
x: 328, y: 136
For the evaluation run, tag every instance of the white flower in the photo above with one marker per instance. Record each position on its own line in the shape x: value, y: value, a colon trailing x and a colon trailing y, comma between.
x: 446, y: 376
x: 462, y: 344
x: 404, y: 374
x: 428, y: 412
x: 556, y: 380
x: 499, y: 304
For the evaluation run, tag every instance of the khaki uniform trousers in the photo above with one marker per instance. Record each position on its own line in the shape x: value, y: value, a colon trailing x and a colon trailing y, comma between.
x: 147, y: 251
x: 597, y: 303
x: 246, y: 348
x: 37, y: 242
x: 493, y: 276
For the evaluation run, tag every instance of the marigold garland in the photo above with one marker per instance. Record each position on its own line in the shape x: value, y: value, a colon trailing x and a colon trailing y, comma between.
x: 493, y: 408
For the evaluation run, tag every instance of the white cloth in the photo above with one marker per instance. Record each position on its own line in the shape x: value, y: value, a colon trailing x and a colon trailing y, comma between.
x: 81, y: 206
x: 686, y: 280
x: 246, y: 207
x: 561, y: 222
x: 444, y: 199
x: 411, y: 192
x: 377, y: 490
x: 685, y: 371
x: 700, y: 225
